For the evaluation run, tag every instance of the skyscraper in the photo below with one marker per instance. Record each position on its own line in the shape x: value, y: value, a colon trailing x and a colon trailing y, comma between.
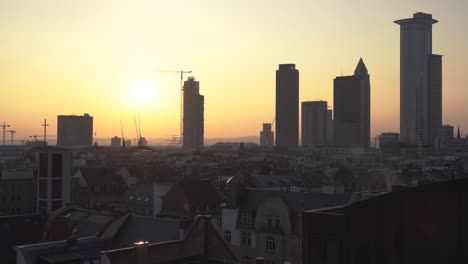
x: 266, y: 136
x: 73, y: 130
x: 329, y: 124
x: 351, y: 100
x: 314, y: 124
x: 420, y: 82
x: 193, y: 115
x: 287, y: 106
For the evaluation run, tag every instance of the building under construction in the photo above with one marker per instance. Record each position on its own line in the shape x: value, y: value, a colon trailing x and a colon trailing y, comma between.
x: 193, y: 124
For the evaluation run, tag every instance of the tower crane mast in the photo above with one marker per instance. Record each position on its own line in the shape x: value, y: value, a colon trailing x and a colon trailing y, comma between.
x: 181, y: 128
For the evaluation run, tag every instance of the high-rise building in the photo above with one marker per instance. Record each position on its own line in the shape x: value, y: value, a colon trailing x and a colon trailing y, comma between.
x: 74, y: 130
x: 314, y: 123
x: 53, y: 179
x: 266, y: 136
x: 116, y: 142
x: 287, y: 106
x: 420, y: 82
x: 329, y: 126
x: 351, y: 100
x: 193, y: 128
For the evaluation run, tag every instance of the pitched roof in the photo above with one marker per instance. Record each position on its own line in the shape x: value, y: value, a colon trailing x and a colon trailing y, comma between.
x: 143, y: 228
x: 200, y: 192
x: 101, y: 176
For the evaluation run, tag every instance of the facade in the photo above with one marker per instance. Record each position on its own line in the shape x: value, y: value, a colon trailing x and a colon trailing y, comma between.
x: 265, y: 223
x: 17, y: 193
x: 266, y: 136
x: 420, y: 82
x: 329, y: 126
x: 287, y: 106
x: 74, y: 130
x: 193, y: 130
x: 351, y: 100
x: 388, y: 142
x: 314, y: 124
x: 424, y: 224
x: 116, y: 142
x: 445, y: 137
x: 53, y: 179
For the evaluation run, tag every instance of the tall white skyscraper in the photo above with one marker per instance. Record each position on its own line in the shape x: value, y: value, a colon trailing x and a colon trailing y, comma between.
x: 420, y: 82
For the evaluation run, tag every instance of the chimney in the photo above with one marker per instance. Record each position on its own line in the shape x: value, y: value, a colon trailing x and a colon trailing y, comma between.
x: 142, y: 254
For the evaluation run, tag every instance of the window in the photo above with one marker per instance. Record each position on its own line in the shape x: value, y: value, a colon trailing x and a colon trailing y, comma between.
x: 56, y: 165
x: 270, y: 245
x: 227, y: 236
x: 270, y: 220
x: 246, y: 260
x: 246, y: 218
x: 246, y: 238
x: 277, y: 221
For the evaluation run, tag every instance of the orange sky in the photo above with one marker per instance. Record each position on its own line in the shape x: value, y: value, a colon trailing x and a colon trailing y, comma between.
x: 87, y: 56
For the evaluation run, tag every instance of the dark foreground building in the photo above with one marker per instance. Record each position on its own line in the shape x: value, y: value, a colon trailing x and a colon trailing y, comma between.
x: 426, y: 224
x: 193, y: 115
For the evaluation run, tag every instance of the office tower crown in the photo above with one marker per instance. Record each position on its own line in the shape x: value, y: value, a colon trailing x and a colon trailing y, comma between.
x: 361, y: 69
x: 420, y: 18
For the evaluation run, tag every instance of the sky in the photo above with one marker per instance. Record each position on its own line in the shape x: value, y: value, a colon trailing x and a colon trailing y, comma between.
x: 61, y: 57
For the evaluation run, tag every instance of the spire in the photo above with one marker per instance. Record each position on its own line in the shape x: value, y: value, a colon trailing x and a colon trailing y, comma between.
x: 458, y: 132
x: 361, y: 69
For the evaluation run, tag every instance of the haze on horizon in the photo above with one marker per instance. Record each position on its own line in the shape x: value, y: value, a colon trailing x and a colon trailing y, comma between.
x: 75, y: 57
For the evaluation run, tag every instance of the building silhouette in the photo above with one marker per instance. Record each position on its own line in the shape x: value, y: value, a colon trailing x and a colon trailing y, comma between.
x: 351, y: 100
x: 329, y: 124
x: 314, y: 123
x: 53, y: 179
x: 116, y: 142
x: 193, y: 128
x: 266, y: 136
x: 73, y: 130
x: 287, y: 106
x: 420, y: 82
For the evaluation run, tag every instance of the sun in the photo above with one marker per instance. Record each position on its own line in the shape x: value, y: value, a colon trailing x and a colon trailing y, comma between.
x: 142, y: 92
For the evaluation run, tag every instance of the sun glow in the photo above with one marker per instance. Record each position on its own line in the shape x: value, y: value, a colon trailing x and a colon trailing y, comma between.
x: 142, y: 92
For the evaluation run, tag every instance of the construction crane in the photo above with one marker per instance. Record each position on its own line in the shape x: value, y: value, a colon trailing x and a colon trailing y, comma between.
x: 123, y: 138
x: 4, y: 126
x: 181, y: 132
x: 174, y: 142
x: 11, y: 133
x: 138, y: 131
x: 45, y: 125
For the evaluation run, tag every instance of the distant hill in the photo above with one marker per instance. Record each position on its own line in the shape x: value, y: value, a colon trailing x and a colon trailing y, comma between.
x: 165, y: 141
x: 227, y: 146
x: 251, y: 139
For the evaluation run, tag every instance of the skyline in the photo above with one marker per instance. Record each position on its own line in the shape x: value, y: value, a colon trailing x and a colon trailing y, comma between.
x: 37, y: 69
